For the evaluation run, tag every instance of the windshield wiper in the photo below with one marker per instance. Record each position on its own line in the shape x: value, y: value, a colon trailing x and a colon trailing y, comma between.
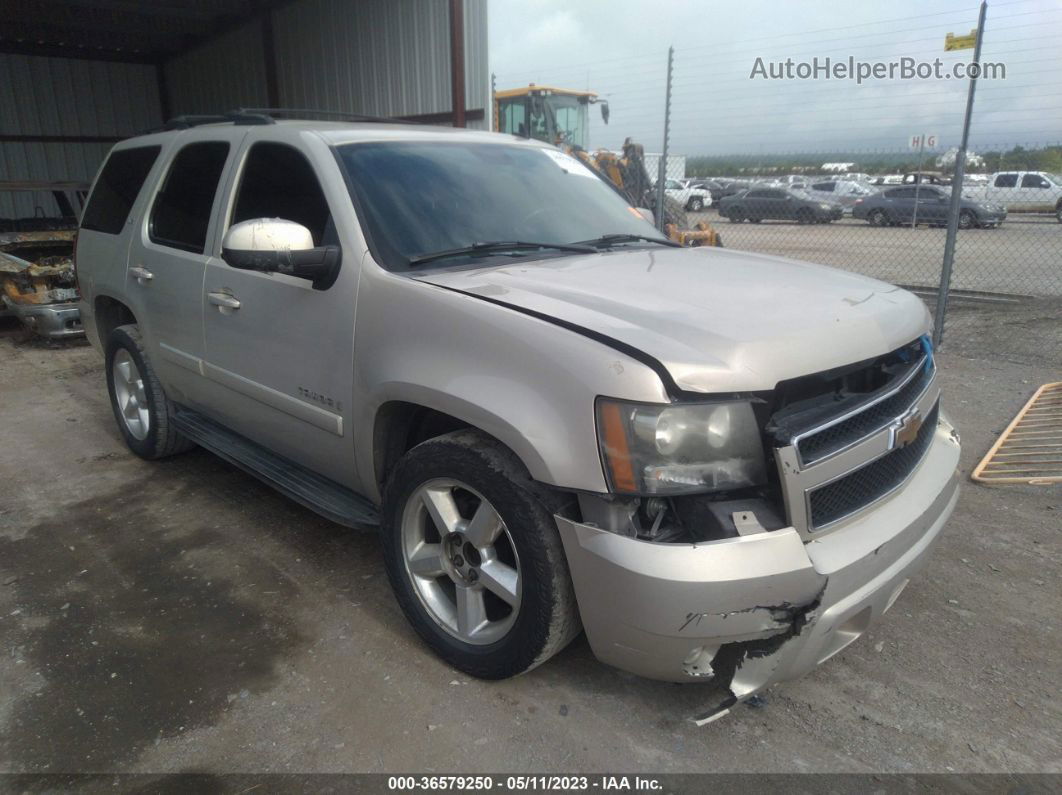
x: 606, y: 241
x: 497, y: 247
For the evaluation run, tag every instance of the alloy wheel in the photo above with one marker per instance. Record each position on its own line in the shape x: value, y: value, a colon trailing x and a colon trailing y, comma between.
x: 461, y: 561
x: 130, y: 395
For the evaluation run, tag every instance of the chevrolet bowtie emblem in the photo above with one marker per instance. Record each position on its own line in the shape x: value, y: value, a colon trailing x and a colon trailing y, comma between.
x: 905, y: 430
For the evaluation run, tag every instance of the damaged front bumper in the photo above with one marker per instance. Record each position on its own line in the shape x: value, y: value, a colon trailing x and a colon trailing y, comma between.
x: 52, y: 321
x: 750, y: 611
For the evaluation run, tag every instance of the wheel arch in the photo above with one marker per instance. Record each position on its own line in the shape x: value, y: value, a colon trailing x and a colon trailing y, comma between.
x: 401, y: 424
x: 109, y: 313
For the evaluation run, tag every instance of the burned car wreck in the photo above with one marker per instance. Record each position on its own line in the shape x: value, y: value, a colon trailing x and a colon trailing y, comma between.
x: 37, y: 280
x: 38, y: 283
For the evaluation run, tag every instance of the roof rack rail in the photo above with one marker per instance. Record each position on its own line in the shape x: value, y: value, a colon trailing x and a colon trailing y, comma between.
x: 232, y: 117
x: 302, y: 113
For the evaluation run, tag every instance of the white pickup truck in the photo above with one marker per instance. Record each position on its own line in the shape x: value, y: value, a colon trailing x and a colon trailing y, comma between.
x: 1021, y: 192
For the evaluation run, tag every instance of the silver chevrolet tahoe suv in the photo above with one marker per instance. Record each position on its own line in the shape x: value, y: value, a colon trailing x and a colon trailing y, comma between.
x: 722, y: 466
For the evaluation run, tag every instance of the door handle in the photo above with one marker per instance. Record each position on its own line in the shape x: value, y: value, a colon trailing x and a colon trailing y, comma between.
x: 223, y: 301
x: 142, y: 274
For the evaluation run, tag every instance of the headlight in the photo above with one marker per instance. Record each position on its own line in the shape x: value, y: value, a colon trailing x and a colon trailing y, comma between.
x: 825, y: 206
x: 681, y: 448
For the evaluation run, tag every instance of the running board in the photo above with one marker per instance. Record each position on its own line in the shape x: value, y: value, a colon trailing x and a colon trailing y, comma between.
x: 321, y: 495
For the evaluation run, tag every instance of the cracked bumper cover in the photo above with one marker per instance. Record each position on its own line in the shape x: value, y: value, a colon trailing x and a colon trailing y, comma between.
x: 750, y: 611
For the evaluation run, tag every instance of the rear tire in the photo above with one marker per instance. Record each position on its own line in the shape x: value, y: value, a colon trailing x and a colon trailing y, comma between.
x: 143, y: 412
x: 877, y: 218
x: 1058, y: 213
x: 695, y: 205
x: 735, y: 215
x: 454, y: 601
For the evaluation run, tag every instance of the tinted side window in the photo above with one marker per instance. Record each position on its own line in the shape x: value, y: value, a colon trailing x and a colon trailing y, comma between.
x: 181, y: 214
x: 1006, y: 180
x: 755, y: 194
x: 117, y: 188
x: 279, y: 182
x: 1034, y: 181
x: 826, y: 187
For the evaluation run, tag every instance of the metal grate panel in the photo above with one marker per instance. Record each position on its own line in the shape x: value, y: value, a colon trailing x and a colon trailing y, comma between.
x: 1030, y: 449
x: 856, y: 490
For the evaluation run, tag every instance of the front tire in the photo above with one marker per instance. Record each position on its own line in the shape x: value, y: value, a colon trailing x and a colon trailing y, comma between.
x: 967, y: 220
x: 695, y: 205
x: 877, y: 218
x: 143, y: 412
x: 474, y: 556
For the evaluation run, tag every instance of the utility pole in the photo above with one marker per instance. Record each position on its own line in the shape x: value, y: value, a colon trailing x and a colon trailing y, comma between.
x: 661, y: 170
x: 918, y: 178
x: 956, y: 189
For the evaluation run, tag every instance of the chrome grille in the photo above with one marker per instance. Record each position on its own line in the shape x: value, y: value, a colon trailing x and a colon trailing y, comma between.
x: 865, y: 486
x: 875, y: 416
x: 847, y: 462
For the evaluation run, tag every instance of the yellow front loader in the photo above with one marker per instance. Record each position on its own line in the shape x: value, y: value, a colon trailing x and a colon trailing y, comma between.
x: 560, y: 116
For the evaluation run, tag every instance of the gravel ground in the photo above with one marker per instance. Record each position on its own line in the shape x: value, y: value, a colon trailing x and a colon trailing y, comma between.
x: 180, y: 616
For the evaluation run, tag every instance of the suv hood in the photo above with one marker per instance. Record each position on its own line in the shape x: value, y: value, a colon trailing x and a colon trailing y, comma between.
x: 717, y: 320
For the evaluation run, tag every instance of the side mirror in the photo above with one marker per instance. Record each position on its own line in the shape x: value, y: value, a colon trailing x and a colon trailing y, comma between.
x: 273, y: 245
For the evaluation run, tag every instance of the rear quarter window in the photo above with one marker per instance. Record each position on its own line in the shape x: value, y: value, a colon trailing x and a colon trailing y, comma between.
x: 117, y: 187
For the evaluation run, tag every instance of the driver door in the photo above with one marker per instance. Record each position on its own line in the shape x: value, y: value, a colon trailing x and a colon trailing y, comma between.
x: 279, y: 354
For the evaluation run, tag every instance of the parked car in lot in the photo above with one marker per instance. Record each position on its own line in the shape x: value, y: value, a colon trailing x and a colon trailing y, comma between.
x: 717, y: 463
x: 840, y: 193
x: 1021, y: 192
x: 777, y: 204
x: 691, y: 198
x: 926, y: 204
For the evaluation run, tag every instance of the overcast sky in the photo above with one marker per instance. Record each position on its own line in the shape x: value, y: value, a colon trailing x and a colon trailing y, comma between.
x: 619, y: 49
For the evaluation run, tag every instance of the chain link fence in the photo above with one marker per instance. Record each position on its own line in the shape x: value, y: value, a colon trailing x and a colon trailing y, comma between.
x: 881, y: 211
x: 868, y: 214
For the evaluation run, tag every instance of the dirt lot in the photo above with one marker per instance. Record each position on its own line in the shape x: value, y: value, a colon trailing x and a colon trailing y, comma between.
x: 180, y: 616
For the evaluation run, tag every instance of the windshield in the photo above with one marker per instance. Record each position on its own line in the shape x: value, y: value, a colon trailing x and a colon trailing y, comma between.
x: 420, y: 198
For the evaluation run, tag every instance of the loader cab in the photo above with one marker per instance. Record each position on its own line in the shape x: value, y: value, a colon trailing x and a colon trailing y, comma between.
x: 556, y: 116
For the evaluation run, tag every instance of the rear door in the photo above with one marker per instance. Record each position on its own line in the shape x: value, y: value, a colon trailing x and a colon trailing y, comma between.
x: 164, y: 281
x: 932, y: 205
x: 901, y: 203
x: 107, y: 224
x: 776, y: 204
x: 1005, y: 190
x: 279, y: 354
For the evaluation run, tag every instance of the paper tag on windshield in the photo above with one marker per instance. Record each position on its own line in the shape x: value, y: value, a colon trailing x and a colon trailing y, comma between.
x: 568, y: 163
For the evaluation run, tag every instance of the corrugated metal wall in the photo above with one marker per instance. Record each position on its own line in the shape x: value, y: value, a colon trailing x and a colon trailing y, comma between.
x: 61, y: 96
x: 378, y: 57
x: 226, y: 73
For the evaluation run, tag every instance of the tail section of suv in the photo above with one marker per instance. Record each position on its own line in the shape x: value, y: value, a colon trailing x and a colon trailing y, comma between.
x: 721, y: 466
